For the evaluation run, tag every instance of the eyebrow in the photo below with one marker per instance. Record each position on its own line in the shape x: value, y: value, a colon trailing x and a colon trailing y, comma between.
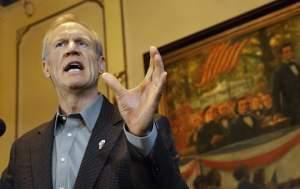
x: 62, y: 38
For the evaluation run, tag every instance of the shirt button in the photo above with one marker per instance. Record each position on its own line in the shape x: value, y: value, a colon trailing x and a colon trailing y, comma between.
x: 69, y: 134
x: 64, y: 118
x: 62, y: 159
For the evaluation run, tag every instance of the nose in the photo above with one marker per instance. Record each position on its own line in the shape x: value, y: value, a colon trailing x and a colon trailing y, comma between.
x: 71, y: 50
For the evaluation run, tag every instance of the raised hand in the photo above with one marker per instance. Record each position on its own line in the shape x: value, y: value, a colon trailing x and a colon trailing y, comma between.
x: 137, y: 105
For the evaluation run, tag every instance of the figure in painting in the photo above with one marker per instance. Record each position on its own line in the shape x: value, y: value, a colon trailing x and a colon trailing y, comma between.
x: 242, y: 175
x: 246, y: 125
x: 286, y: 85
x: 212, y: 133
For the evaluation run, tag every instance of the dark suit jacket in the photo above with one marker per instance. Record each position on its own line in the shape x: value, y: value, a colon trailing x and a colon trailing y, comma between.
x: 205, y: 135
x: 248, y: 185
x: 116, y: 166
x: 240, y: 130
x: 286, y: 92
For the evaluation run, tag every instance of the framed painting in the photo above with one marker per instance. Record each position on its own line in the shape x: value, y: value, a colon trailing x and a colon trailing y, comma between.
x: 233, y: 100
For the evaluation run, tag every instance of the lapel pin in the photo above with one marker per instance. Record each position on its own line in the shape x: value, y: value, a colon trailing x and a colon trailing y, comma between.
x: 101, y: 144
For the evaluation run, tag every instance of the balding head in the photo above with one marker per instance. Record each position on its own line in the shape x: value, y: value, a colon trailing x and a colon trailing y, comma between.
x: 65, y: 19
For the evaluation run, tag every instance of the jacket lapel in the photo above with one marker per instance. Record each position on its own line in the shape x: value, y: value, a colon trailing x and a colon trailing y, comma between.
x: 94, y: 157
x: 41, y: 156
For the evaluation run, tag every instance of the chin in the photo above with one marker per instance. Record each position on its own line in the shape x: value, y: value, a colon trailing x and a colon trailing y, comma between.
x: 82, y: 86
x: 75, y: 87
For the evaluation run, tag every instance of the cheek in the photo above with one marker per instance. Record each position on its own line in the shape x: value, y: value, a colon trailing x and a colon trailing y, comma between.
x: 94, y: 67
x: 55, y: 68
x: 52, y: 65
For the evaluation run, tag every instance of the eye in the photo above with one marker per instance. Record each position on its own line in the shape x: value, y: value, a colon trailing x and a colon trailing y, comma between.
x: 82, y: 43
x: 59, y: 44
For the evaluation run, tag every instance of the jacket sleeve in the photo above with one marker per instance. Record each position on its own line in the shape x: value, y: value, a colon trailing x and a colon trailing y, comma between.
x: 164, y: 163
x: 276, y: 93
x: 7, y: 178
x: 165, y: 132
x: 160, y: 168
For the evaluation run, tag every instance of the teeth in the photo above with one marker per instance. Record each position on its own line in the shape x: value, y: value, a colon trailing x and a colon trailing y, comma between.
x: 73, y: 66
x: 74, y: 70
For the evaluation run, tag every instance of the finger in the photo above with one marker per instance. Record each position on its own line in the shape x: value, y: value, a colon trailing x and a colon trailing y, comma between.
x: 158, y: 68
x: 153, y: 51
x: 113, y: 83
x: 162, y: 81
x: 160, y: 86
x: 149, y: 73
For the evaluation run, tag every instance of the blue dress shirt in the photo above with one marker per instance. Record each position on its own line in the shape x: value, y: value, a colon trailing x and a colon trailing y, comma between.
x: 71, y: 136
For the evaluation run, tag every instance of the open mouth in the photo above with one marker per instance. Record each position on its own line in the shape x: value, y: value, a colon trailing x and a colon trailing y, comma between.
x: 73, y: 67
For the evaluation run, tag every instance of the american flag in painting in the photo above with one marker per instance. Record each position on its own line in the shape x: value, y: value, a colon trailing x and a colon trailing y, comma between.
x: 222, y: 58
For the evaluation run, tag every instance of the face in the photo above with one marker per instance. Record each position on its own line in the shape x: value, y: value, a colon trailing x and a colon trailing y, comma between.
x: 267, y: 101
x: 243, y: 106
x: 287, y: 53
x: 71, y: 61
x: 210, y: 114
x: 255, y: 103
x: 224, y: 109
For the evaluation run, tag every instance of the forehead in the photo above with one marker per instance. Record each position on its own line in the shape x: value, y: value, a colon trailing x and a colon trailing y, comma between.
x: 243, y: 102
x: 211, y: 110
x: 266, y: 97
x: 70, y: 29
x: 224, y: 106
x: 287, y: 48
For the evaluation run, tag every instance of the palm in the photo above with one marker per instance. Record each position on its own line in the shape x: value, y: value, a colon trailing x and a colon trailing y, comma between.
x: 138, y: 105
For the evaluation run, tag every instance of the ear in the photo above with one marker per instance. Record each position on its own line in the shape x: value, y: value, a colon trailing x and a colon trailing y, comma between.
x: 46, y: 69
x: 101, y: 63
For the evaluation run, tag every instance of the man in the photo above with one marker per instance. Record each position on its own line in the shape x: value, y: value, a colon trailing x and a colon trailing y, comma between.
x: 267, y: 104
x: 259, y: 178
x: 214, y: 179
x: 226, y: 118
x: 256, y: 108
x: 242, y: 176
x: 89, y: 143
x: 212, y: 133
x: 286, y: 85
x: 245, y: 126
x: 200, y: 182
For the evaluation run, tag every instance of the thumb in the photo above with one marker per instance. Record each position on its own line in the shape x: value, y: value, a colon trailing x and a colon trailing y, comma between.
x: 113, y: 83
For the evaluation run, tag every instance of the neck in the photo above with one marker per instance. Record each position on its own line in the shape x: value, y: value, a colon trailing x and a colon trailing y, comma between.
x: 287, y: 61
x: 245, y: 179
x: 74, y: 102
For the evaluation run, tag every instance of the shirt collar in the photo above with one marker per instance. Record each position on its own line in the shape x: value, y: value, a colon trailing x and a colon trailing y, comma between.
x: 288, y: 61
x: 89, y: 114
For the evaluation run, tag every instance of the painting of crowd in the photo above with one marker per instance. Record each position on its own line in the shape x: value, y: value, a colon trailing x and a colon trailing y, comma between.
x: 232, y: 96
x: 247, y: 84
x: 244, y: 179
x: 236, y: 120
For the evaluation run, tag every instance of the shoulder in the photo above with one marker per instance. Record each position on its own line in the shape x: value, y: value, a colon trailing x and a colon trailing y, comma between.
x: 161, y: 120
x: 280, y: 69
x: 283, y: 68
x: 163, y: 125
x: 31, y: 135
x: 158, y: 117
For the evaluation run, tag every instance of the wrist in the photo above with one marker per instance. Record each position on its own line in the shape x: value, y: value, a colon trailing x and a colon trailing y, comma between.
x: 140, y: 131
